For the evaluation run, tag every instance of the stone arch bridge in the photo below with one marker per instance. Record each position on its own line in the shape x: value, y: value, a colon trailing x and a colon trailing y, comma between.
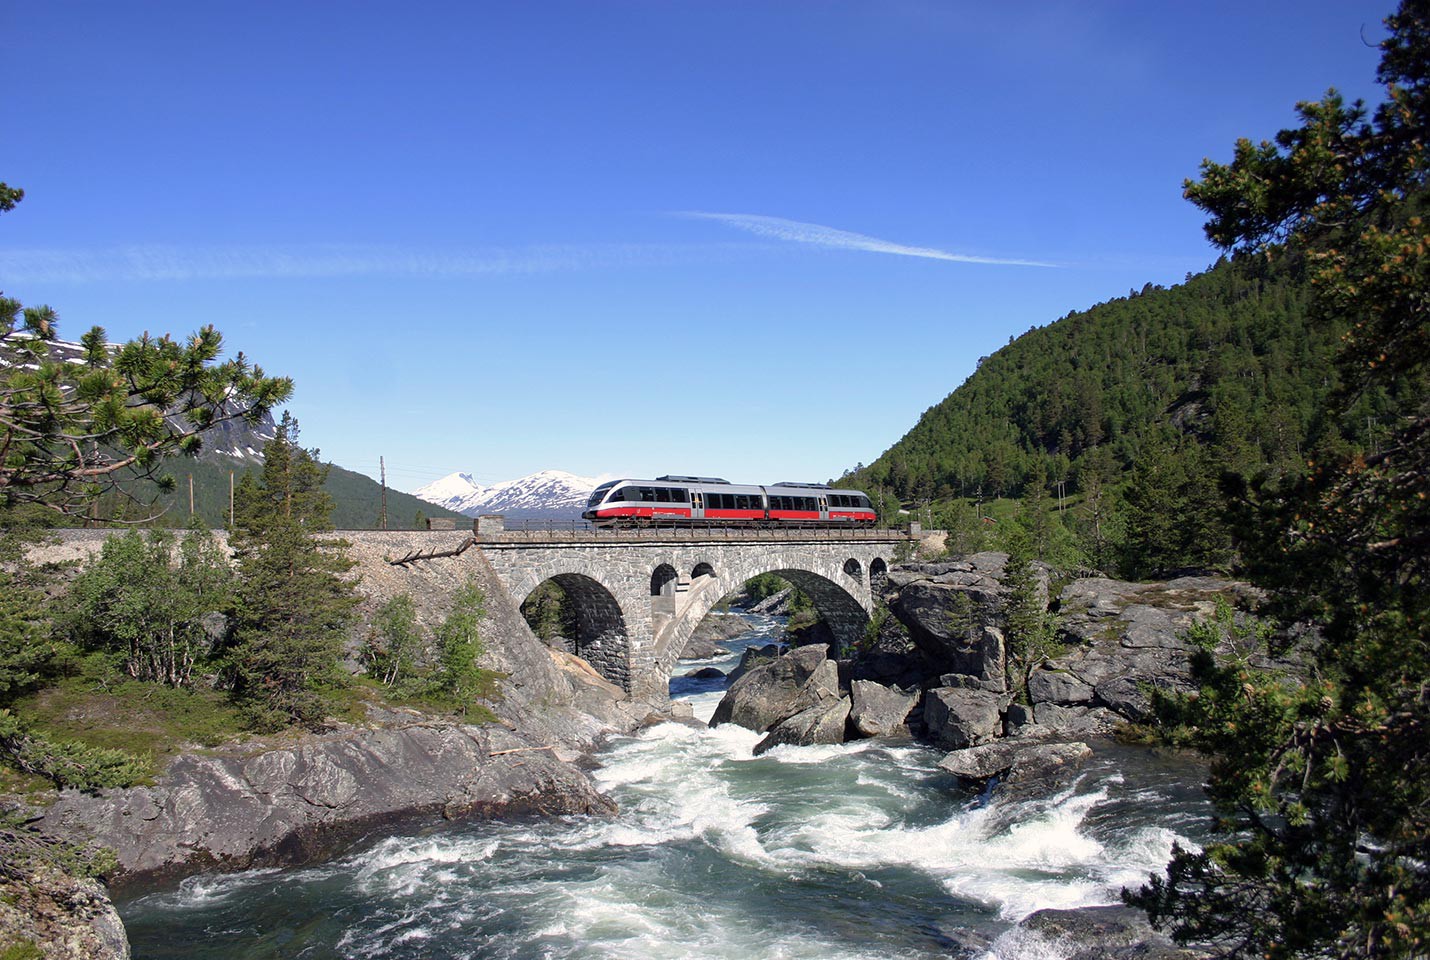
x: 639, y: 594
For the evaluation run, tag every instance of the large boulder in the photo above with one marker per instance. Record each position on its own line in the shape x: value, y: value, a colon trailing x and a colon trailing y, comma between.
x: 822, y: 723
x: 1104, y: 933
x: 879, y: 711
x: 779, y: 689
x: 1016, y: 764
x: 957, y: 717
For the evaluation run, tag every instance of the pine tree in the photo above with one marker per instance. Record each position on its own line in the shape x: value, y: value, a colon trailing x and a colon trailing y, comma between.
x: 1323, y: 780
x: 294, y: 609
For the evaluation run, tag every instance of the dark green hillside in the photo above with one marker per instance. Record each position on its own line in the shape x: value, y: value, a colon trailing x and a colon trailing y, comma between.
x: 356, y: 498
x: 1228, y: 363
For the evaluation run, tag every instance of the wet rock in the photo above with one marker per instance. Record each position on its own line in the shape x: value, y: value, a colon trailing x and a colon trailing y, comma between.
x: 779, y: 689
x: 958, y: 718
x: 1105, y: 933
x: 304, y: 801
x: 822, y: 723
x: 879, y: 711
x: 707, y: 673
x: 1045, y: 765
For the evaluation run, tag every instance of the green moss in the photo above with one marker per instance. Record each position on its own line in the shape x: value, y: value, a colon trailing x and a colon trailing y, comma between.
x: 23, y: 950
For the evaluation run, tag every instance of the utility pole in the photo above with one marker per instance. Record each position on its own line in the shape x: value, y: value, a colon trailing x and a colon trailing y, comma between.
x: 382, y: 517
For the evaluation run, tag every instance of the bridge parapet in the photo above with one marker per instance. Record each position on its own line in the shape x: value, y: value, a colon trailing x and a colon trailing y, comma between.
x: 688, y: 535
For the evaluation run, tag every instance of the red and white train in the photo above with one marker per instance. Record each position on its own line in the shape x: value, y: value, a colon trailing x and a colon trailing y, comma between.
x: 709, y: 500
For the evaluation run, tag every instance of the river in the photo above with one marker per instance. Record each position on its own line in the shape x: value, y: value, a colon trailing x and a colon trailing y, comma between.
x: 860, y: 850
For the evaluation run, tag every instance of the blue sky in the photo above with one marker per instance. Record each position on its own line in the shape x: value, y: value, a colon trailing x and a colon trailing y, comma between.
x: 752, y: 240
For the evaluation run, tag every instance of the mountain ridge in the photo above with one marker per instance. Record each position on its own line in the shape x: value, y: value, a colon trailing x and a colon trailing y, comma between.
x: 544, y: 495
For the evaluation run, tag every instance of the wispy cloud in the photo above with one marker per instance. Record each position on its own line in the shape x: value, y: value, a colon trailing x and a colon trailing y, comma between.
x: 818, y: 235
x: 165, y: 262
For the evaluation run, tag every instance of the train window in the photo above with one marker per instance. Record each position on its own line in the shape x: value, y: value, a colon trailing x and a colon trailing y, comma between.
x: 679, y: 496
x: 647, y: 494
x: 662, y: 495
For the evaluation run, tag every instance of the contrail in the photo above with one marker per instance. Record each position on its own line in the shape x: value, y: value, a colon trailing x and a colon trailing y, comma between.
x: 819, y: 235
x: 170, y: 262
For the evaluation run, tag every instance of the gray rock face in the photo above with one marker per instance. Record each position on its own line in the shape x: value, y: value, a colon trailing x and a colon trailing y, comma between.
x: 65, y: 917
x: 779, y: 689
x: 953, y: 613
x: 1017, y: 764
x: 300, y: 803
x: 822, y: 723
x: 879, y: 711
x: 1105, y: 933
x: 1053, y: 719
x: 753, y: 657
x: 957, y: 717
x: 1058, y: 686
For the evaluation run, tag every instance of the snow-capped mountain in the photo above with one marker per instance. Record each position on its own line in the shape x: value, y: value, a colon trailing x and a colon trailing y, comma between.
x: 548, y: 495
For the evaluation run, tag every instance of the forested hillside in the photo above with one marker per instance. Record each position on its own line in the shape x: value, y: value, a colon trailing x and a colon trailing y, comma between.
x: 1227, y: 367
x: 357, y: 498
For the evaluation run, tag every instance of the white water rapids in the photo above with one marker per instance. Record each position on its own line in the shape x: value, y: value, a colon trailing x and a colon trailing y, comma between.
x: 859, y: 850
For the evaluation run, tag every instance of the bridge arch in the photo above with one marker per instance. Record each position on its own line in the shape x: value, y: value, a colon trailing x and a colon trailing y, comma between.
x: 662, y: 580
x: 701, y: 569
x: 878, y: 575
x: 602, y: 634
x: 836, y: 595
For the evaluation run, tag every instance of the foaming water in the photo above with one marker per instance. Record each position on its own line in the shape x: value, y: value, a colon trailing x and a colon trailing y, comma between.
x: 858, y: 850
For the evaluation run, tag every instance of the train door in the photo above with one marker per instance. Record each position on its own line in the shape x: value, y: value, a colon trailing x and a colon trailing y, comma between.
x: 697, y: 505
x: 824, y: 508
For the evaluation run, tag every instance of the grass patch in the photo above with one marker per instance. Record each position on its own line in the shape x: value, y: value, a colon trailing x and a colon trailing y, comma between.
x: 24, y: 950
x: 144, y: 719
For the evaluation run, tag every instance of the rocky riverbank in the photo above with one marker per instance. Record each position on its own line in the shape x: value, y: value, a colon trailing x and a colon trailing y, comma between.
x: 266, y: 804
x: 938, y: 671
x: 304, y: 796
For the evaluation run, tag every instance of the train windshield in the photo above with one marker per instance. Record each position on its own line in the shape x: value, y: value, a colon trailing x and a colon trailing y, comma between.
x: 598, y: 494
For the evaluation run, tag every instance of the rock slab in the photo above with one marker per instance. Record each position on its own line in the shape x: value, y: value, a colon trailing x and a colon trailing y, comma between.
x: 300, y: 803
